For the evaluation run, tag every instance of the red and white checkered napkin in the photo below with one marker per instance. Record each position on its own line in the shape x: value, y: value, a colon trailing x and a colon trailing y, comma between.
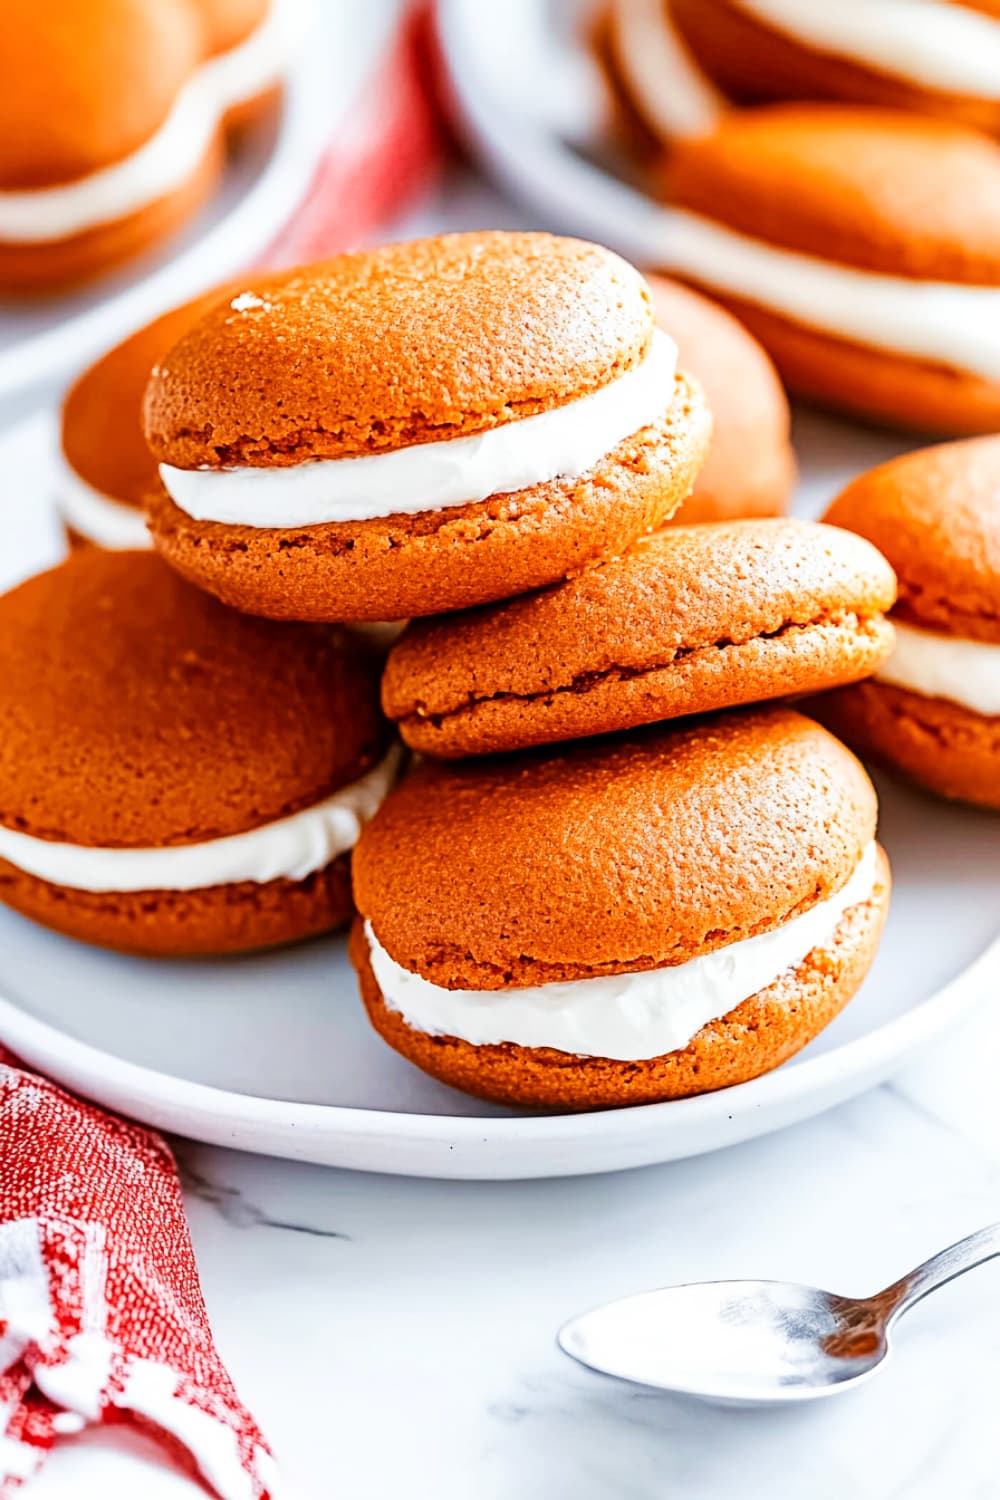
x: 101, y: 1314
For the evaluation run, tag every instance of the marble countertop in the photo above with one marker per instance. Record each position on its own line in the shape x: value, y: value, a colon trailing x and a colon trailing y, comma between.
x: 396, y: 1337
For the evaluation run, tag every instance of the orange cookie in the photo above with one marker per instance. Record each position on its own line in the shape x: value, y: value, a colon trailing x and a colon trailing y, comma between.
x: 174, y: 777
x: 105, y: 469
x: 862, y: 247
x: 634, y: 919
x: 750, y: 468
x: 419, y: 428
x: 932, y: 711
x: 103, y: 151
x: 111, y: 123
x: 942, y: 60
x: 692, y: 619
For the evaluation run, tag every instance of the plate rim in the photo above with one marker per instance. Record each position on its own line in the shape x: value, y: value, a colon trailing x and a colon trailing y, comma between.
x: 108, y: 1080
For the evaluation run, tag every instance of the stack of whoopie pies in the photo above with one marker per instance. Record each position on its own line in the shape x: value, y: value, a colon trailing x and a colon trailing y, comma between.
x: 609, y: 874
x: 819, y: 160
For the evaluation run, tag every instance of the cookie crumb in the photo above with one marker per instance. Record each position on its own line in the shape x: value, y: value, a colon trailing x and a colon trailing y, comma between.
x: 246, y: 300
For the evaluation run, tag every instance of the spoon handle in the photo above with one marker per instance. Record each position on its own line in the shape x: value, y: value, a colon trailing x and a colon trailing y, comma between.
x: 943, y: 1267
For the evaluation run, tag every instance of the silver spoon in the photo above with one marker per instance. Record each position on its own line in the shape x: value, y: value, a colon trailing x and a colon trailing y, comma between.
x: 758, y: 1343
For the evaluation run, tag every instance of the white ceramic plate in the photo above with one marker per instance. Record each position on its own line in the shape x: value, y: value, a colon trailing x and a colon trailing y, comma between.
x: 264, y: 183
x: 273, y: 1053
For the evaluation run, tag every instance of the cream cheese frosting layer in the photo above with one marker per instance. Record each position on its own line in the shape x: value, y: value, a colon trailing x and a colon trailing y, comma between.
x: 94, y: 515
x: 671, y: 92
x: 944, y: 666
x: 170, y: 156
x: 937, y: 321
x: 288, y: 849
x: 562, y: 443
x: 629, y: 1017
x: 940, y: 46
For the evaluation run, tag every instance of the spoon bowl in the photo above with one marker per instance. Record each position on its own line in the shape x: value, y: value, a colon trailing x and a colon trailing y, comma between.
x: 758, y: 1343
x: 740, y: 1343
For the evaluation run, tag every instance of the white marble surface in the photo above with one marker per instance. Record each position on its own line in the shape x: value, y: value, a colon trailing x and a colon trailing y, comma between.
x: 396, y: 1337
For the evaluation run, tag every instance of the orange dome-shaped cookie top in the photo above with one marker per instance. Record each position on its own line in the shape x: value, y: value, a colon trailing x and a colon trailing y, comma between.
x: 935, y: 514
x: 406, y: 344
x: 612, y: 855
x: 88, y: 82
x: 136, y: 711
x: 875, y: 189
x: 690, y: 619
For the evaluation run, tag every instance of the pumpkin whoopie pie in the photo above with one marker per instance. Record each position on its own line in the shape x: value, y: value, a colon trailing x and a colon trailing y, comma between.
x: 419, y: 428
x: 934, y: 57
x: 861, y: 246
x: 104, y: 468
x: 103, y: 148
x: 633, y: 919
x: 750, y: 467
x: 691, y: 619
x: 932, y: 710
x: 111, y: 121
x: 175, y: 777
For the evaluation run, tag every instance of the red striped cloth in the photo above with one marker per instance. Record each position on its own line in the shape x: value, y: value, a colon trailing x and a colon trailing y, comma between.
x: 385, y: 158
x: 101, y: 1314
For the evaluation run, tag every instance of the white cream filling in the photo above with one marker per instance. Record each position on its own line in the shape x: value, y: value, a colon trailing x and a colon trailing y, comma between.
x: 934, y: 45
x: 624, y: 1016
x: 562, y: 443
x: 944, y: 666
x: 670, y: 90
x: 107, y: 522
x: 288, y: 849
x: 258, y: 62
x: 937, y: 321
x: 169, y: 158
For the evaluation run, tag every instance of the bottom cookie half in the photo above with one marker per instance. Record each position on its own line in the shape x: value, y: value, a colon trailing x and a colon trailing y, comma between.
x: 219, y: 919
x: 938, y: 745
x: 757, y: 1036
x: 44, y: 266
x: 876, y: 384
